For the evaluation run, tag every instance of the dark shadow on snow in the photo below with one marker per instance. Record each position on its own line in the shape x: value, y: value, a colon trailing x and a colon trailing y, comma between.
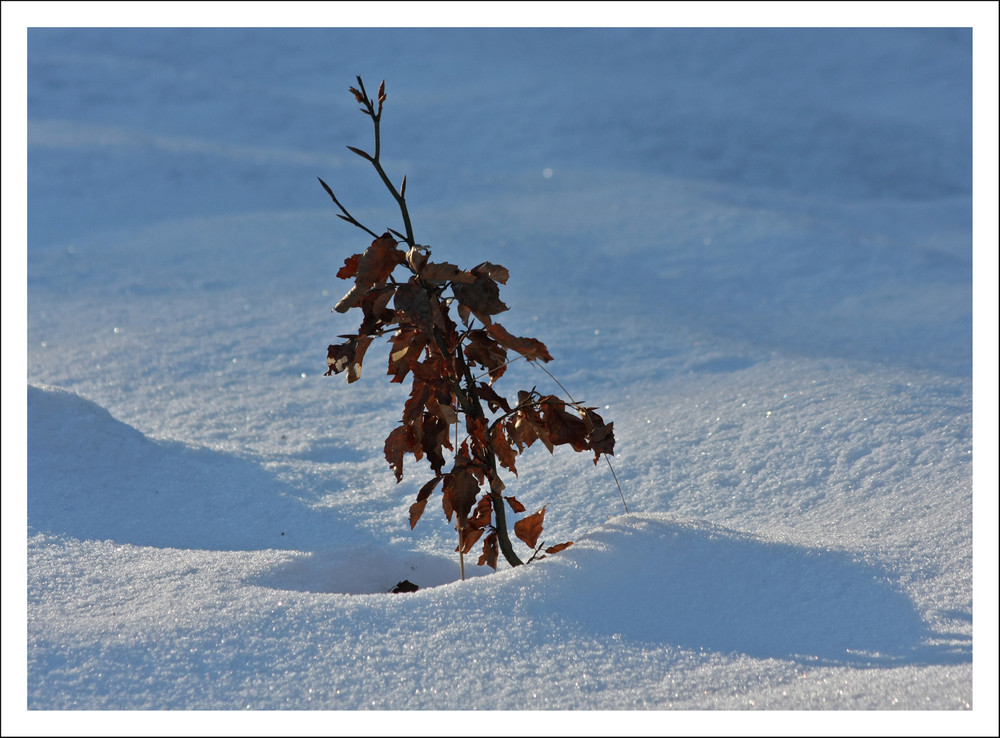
x: 707, y: 588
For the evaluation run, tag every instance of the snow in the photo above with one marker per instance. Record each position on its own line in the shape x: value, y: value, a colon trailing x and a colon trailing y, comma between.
x: 752, y: 248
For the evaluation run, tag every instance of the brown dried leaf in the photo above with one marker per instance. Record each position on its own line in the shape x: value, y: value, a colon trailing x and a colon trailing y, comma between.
x: 482, y: 297
x: 444, y: 272
x: 502, y: 448
x: 529, y: 428
x: 563, y: 427
x: 489, y: 555
x: 494, y: 271
x: 378, y: 260
x: 461, y: 490
x: 601, y: 436
x: 483, y: 350
x: 492, y: 399
x: 399, y: 442
x: 339, y: 356
x: 416, y: 257
x: 483, y: 513
x: 347, y: 355
x: 416, y: 510
x: 352, y: 298
x: 407, y: 346
x: 413, y: 306
x: 354, y: 368
x: 530, y: 348
x: 530, y: 528
x: 558, y: 547
x: 448, y: 414
x: 514, y: 504
x: 372, y: 269
x: 434, y: 436
x: 373, y: 306
x: 350, y: 267
x: 467, y: 538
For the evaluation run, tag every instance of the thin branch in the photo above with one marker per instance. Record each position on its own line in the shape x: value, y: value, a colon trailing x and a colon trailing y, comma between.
x: 616, y: 482
x: 344, y: 214
x: 552, y: 376
x: 506, y: 363
x: 376, y: 157
x: 535, y: 554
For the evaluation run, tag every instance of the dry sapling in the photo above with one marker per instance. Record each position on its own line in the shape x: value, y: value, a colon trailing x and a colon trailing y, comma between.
x: 453, y: 368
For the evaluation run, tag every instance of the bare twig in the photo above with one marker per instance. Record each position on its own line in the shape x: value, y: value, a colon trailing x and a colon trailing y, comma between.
x: 374, y: 112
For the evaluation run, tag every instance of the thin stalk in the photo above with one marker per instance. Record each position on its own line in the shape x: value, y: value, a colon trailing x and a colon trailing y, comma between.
x: 471, y: 405
x: 503, y: 537
x: 461, y: 553
x: 375, y: 158
x: 617, y: 483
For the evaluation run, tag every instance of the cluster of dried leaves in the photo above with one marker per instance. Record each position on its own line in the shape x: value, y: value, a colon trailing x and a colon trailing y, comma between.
x: 447, y: 362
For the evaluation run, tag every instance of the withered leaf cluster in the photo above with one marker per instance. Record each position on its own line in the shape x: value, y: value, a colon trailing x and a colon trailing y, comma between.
x: 446, y: 362
x: 453, y: 367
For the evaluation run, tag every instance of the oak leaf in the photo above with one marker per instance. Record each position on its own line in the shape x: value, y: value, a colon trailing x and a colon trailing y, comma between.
x: 563, y: 427
x: 492, y: 399
x: 530, y: 528
x: 407, y: 347
x: 401, y: 441
x: 467, y: 538
x: 416, y: 510
x: 416, y: 257
x: 444, y: 272
x: 483, y: 513
x: 489, y: 555
x: 494, y: 271
x: 600, y: 436
x: 530, y: 348
x: 558, y: 547
x: 481, y: 297
x: 372, y: 269
x: 460, y: 490
x: 350, y: 267
x: 529, y: 427
x: 413, y: 307
x: 502, y: 448
x: 434, y: 436
x: 483, y: 350
x: 373, y: 306
x: 348, y: 355
x: 514, y: 504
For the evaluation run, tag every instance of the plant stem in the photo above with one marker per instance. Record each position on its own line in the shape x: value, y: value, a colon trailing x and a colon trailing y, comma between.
x: 375, y: 159
x: 461, y: 553
x: 503, y: 537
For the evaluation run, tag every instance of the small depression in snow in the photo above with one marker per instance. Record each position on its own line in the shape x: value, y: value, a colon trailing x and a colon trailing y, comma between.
x: 367, y: 569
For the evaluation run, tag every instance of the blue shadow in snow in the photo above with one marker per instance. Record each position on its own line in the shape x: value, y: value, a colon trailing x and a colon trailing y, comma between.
x: 93, y: 477
x: 706, y: 588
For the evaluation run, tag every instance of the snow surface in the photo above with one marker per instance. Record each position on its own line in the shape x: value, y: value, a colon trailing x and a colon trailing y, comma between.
x: 751, y: 248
